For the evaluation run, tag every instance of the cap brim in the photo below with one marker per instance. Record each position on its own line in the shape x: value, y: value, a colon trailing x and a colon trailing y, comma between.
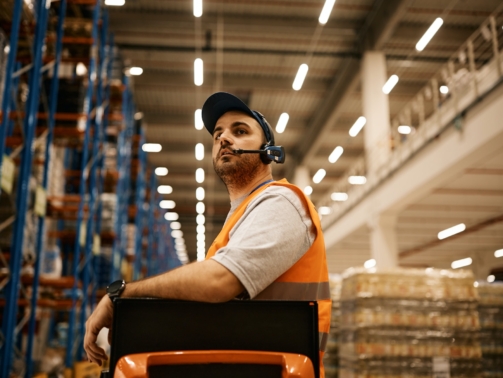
x: 217, y: 105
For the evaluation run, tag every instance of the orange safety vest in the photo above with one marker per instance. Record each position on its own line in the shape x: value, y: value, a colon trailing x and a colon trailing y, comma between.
x: 306, y: 280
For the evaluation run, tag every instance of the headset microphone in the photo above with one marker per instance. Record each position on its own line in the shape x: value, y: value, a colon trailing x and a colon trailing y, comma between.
x: 272, y: 153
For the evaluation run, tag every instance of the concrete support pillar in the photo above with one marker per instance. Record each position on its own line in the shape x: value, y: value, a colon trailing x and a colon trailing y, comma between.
x: 375, y: 110
x: 383, y: 244
x: 482, y: 264
x: 301, y: 177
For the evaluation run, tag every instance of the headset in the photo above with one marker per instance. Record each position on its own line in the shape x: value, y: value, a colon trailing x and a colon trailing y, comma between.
x: 268, y: 151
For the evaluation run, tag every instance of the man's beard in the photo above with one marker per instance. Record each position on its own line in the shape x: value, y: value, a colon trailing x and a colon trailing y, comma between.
x: 239, y: 173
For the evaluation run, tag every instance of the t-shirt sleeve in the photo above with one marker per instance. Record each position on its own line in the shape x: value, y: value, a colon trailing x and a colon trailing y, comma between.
x: 272, y: 235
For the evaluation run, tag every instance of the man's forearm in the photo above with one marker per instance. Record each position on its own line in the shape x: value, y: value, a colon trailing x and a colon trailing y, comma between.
x: 206, y: 281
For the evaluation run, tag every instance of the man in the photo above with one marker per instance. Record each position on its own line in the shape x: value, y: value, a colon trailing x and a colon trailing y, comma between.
x: 271, y: 246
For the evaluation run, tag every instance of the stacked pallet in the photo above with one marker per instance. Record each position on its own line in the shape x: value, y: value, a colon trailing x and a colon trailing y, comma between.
x: 491, y: 328
x: 331, y: 357
x: 409, y: 322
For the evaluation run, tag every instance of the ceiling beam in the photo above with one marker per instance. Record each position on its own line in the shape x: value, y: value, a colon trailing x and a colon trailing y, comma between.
x: 378, y: 27
x: 436, y: 242
x: 168, y: 79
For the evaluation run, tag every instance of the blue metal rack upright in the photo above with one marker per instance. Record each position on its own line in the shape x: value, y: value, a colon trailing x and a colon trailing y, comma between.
x: 41, y: 229
x: 140, y: 199
x: 151, y: 222
x: 106, y: 49
x: 97, y: 150
x: 30, y: 123
x: 82, y: 189
x: 9, y: 71
x: 123, y: 185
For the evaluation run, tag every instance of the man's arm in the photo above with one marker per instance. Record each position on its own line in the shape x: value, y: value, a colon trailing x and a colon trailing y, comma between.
x: 206, y: 281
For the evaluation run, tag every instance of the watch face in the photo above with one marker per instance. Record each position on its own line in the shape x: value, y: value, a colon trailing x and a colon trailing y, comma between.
x: 115, y: 286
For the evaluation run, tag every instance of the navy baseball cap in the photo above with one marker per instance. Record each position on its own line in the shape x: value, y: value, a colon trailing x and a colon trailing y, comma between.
x: 220, y: 103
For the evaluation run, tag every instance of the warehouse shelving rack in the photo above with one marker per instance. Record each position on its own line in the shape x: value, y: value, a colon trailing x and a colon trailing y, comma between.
x: 9, y: 323
x: 47, y: 122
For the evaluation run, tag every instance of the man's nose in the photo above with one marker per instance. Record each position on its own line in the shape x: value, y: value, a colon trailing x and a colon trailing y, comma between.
x: 226, y: 138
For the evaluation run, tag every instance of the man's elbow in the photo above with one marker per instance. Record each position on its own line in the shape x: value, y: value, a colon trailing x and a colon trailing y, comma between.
x: 223, y: 289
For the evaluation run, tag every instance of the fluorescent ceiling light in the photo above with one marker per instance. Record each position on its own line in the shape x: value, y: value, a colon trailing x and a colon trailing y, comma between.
x: 339, y: 197
x: 461, y: 263
x: 357, y: 180
x: 404, y: 129
x: 498, y: 253
x: 200, y: 229
x: 358, y: 125
x: 81, y: 69
x: 180, y: 247
x: 199, y: 151
x: 201, y: 250
x: 444, y: 89
x: 282, y: 121
x: 324, y: 210
x: 115, y: 3
x: 369, y: 263
x: 200, y: 219
x: 180, y: 241
x: 301, y: 75
x: 201, y: 237
x: 390, y: 84
x: 308, y: 190
x: 177, y: 234
x: 200, y: 194
x: 325, y: 12
x: 336, y: 154
x: 175, y: 225
x: 200, y: 175
x: 200, y: 207
x: 167, y: 204
x: 318, y: 176
x: 161, y: 171
x: 432, y: 30
x: 201, y: 244
x: 151, y: 147
x: 136, y: 71
x: 491, y: 278
x: 451, y: 231
x: 198, y: 119
x: 164, y: 189
x: 198, y: 8
x: 171, y: 217
x: 198, y: 72
x: 200, y: 256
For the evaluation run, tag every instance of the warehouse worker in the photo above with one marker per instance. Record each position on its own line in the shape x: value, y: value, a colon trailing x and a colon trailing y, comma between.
x: 271, y: 246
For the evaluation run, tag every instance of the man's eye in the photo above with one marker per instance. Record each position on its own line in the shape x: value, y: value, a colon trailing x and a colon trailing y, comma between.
x: 241, y: 131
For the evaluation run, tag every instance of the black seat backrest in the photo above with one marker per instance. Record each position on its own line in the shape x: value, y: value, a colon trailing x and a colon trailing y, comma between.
x: 155, y: 325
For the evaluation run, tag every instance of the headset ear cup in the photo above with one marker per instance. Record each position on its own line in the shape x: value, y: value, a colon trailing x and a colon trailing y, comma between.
x: 264, y: 158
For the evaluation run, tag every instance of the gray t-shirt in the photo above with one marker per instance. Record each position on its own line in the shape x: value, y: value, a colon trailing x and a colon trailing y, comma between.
x: 272, y: 235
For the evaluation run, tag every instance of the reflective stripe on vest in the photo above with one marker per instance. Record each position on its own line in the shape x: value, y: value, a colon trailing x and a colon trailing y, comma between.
x: 296, y: 291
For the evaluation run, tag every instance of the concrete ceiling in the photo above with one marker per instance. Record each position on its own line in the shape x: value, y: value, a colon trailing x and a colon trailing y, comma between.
x: 253, y: 49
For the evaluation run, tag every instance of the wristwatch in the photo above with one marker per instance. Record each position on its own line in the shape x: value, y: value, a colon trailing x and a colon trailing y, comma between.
x: 115, y: 289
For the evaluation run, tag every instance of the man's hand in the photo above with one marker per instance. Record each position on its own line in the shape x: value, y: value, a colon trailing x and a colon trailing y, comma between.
x: 99, y: 319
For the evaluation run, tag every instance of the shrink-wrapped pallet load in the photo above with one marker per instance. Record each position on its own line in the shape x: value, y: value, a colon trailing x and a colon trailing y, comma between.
x: 491, y: 328
x: 331, y: 357
x: 409, y: 322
